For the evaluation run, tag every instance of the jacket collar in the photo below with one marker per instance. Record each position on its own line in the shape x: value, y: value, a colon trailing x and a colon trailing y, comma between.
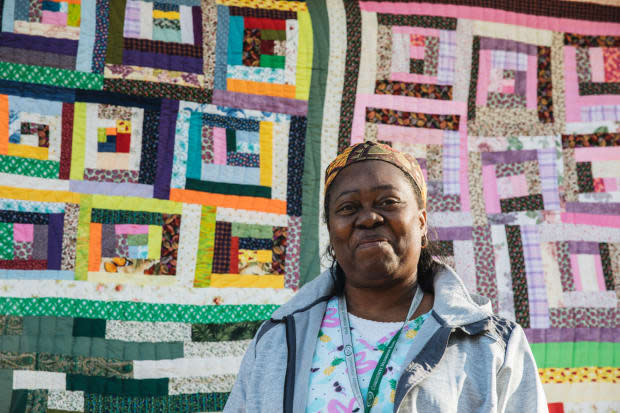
x: 454, y: 305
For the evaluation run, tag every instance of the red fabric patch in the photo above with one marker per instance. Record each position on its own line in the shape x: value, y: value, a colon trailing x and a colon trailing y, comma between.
x: 599, y: 185
x: 66, y: 141
x: 269, y: 24
x: 266, y: 47
x: 556, y: 407
x: 234, y: 255
x: 611, y: 59
x: 122, y: 142
x: 23, y: 264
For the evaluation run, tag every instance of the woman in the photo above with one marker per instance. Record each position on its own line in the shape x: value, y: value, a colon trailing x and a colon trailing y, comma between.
x: 387, y: 329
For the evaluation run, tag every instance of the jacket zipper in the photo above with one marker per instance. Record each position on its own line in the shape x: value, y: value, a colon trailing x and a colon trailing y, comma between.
x: 289, y: 380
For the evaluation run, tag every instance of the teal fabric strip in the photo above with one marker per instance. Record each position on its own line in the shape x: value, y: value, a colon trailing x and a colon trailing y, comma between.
x: 86, y: 43
x: 89, y: 327
x: 235, y: 40
x: 310, y: 220
x: 47, y: 326
x: 194, y: 152
x: 126, y: 387
x: 134, y: 311
x: 187, y: 403
x: 21, y: 10
x: 6, y: 387
x: 91, y: 347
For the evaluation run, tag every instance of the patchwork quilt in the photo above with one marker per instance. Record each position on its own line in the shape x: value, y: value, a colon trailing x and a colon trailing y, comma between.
x: 161, y: 177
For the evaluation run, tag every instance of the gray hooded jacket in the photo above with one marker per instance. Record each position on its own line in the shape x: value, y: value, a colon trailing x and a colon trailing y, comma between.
x: 464, y: 358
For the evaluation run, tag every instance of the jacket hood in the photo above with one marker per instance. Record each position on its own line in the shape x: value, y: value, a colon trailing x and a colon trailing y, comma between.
x: 454, y: 305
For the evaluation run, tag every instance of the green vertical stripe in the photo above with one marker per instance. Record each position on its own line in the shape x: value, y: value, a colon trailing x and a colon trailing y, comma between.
x: 206, y: 243
x: 83, y: 238
x: 576, y: 354
x: 114, y: 53
x: 310, y: 221
x: 6, y: 241
x: 231, y: 140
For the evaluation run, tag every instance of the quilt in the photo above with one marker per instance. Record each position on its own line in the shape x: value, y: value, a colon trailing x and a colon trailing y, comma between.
x: 161, y: 178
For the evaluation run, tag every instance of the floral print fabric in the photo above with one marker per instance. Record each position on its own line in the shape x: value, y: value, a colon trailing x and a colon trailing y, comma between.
x: 330, y: 389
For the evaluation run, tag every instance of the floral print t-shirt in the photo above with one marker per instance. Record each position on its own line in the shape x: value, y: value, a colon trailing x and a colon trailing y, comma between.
x: 330, y: 389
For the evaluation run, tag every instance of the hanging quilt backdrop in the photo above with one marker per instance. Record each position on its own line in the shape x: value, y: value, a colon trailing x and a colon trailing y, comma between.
x: 161, y: 177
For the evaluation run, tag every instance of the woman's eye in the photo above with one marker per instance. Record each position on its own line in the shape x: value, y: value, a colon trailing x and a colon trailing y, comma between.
x: 346, y: 208
x: 388, y: 202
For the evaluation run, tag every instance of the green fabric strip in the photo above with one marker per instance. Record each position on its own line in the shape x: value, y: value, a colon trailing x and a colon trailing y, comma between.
x: 58, y: 363
x: 83, y: 241
x: 114, y: 52
x: 225, y: 332
x: 6, y: 387
x: 251, y: 230
x: 276, y: 62
x: 126, y: 387
x: 228, y: 189
x: 310, y: 219
x: 48, y: 326
x: 6, y: 241
x: 576, y: 354
x: 11, y: 325
x: 45, y: 75
x: 91, y: 347
x: 231, y: 140
x: 272, y: 34
x: 206, y: 243
x: 138, y: 239
x: 134, y: 311
x: 89, y: 327
x: 18, y: 401
x: 186, y: 403
x: 110, y: 216
x: 29, y: 167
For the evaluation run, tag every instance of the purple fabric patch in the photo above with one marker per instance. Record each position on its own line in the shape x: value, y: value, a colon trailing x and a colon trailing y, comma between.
x: 582, y: 247
x: 197, y: 22
x: 262, y: 103
x: 521, y: 83
x: 54, y: 241
x: 40, y: 242
x: 454, y: 233
x: 165, y: 149
x: 558, y: 335
x: 492, y: 158
x: 162, y: 61
x: 39, y: 43
x: 488, y: 43
x: 108, y: 241
x: 608, y: 208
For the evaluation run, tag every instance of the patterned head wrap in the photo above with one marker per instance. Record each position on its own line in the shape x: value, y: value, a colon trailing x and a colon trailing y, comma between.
x: 367, y: 151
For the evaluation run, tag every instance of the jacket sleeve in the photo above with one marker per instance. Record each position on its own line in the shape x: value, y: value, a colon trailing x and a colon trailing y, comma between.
x: 519, y: 387
x: 237, y: 399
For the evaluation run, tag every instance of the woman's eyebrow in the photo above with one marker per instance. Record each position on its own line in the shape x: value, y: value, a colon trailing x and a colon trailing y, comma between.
x: 374, y: 188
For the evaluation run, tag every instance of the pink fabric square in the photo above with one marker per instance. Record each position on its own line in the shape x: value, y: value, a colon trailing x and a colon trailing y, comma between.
x: 508, y: 89
x: 417, y: 40
x: 416, y: 52
x: 23, y: 232
x: 484, y: 75
x: 519, y: 185
x: 131, y: 229
x: 597, y: 65
x: 531, y: 83
x: 611, y: 61
x: 611, y: 184
x: 219, y: 146
x: 574, y: 265
x: 55, y: 18
x: 598, y: 269
x: 491, y: 197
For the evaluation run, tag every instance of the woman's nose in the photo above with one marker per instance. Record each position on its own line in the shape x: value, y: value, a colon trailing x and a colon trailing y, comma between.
x: 368, y: 218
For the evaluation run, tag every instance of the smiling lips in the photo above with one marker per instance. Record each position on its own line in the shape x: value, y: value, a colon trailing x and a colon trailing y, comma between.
x: 371, y: 242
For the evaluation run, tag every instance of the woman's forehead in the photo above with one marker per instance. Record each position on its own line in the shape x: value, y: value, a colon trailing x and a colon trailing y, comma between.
x: 369, y: 175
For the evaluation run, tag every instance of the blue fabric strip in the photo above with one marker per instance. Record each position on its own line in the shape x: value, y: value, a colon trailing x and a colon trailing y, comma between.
x: 221, y: 48
x: 36, y: 275
x: 87, y: 36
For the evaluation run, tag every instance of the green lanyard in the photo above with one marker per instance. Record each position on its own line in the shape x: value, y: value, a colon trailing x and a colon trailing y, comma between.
x: 377, y: 375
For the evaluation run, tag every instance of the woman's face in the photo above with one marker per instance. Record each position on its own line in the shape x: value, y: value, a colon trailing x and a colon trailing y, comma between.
x: 375, y: 224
